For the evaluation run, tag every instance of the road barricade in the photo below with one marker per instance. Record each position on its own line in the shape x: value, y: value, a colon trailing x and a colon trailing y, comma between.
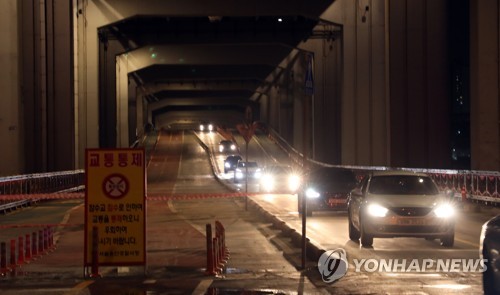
x: 217, y: 251
x: 24, y: 249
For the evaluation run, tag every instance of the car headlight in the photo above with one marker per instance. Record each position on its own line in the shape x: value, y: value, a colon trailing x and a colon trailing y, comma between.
x: 267, y: 182
x: 293, y: 182
x: 444, y: 211
x: 202, y: 127
x: 227, y: 165
x: 376, y: 210
x: 239, y: 174
x: 221, y: 148
x: 312, y: 193
x: 210, y: 127
x: 233, y: 147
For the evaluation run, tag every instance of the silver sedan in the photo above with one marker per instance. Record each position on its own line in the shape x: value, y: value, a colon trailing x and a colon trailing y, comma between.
x: 400, y: 204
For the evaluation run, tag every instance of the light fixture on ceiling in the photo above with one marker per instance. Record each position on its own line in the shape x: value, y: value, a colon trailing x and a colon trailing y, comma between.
x: 214, y: 18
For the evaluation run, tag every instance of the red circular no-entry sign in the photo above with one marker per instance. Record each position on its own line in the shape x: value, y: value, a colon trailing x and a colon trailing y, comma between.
x: 115, y: 186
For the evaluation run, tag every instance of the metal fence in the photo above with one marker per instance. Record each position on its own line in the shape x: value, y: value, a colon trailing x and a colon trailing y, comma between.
x: 39, y: 183
x: 472, y: 185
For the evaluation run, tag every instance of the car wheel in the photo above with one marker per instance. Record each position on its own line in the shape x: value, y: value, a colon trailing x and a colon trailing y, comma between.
x: 366, y: 239
x: 448, y: 240
x: 488, y: 276
x: 353, y: 231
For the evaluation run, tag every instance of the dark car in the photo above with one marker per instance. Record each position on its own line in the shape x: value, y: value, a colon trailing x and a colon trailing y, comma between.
x: 205, y: 126
x: 326, y: 188
x: 489, y: 251
x: 243, y: 167
x: 279, y: 178
x: 227, y: 146
x: 230, y: 163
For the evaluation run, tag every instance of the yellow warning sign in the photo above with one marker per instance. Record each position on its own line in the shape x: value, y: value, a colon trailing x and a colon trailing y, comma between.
x: 115, y: 206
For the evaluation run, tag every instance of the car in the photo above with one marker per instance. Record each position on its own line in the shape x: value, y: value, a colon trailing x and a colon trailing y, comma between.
x: 279, y: 178
x: 254, y: 172
x: 205, y: 126
x: 489, y: 248
x: 326, y: 188
x: 230, y: 162
x: 398, y: 203
x: 227, y: 146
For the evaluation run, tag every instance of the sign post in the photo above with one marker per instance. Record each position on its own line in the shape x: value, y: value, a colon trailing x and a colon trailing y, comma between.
x: 247, y: 130
x: 115, y: 207
x: 308, y: 93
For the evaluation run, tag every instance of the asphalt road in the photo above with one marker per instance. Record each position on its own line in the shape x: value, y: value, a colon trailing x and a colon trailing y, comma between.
x: 262, y: 259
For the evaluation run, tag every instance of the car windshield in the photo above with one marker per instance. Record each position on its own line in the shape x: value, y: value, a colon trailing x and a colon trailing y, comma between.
x: 402, y: 185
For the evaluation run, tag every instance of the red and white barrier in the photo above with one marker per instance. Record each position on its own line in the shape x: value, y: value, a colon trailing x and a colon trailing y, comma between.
x: 217, y: 252
x: 25, y: 249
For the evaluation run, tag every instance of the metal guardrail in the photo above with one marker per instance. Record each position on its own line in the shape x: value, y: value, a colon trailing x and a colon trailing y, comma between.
x: 481, y: 186
x: 39, y: 183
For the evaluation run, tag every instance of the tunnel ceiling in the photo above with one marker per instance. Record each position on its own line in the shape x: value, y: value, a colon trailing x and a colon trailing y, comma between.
x: 247, y: 51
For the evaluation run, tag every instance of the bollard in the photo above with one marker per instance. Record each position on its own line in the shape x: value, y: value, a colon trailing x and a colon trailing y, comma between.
x: 95, y: 253
x: 34, y: 248
x: 216, y: 254
x: 27, y: 254
x: 3, y: 258
x: 221, y: 234
x: 46, y: 239
x: 20, y: 255
x: 12, y: 253
x: 210, y: 252
x: 40, y: 243
x: 51, y: 238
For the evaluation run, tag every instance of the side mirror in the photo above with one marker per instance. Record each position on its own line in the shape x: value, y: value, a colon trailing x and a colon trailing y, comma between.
x: 356, y: 192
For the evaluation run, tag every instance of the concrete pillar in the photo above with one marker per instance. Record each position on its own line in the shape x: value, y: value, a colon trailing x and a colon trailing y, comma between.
x: 122, y: 97
x: 11, y: 125
x: 485, y: 84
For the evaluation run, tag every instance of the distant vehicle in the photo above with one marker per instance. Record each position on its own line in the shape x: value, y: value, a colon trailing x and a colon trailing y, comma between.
x: 205, y: 126
x: 227, y: 146
x: 489, y: 248
x: 242, y: 167
x: 391, y: 204
x: 279, y: 178
x: 230, y: 162
x: 326, y: 188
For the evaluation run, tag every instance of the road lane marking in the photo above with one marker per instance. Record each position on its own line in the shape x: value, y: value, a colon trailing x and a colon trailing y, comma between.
x: 79, y: 288
x: 202, y: 287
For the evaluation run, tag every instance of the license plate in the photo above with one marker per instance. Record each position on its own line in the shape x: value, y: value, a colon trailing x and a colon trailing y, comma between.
x: 336, y: 202
x: 411, y: 221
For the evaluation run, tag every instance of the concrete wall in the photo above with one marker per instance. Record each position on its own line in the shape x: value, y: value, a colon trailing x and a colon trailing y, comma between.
x: 363, y: 121
x: 485, y: 84
x: 11, y: 124
x: 389, y: 99
x: 395, y: 95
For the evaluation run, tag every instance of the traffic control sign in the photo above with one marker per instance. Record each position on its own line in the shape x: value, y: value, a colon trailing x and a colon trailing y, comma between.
x: 115, y: 186
x: 115, y: 206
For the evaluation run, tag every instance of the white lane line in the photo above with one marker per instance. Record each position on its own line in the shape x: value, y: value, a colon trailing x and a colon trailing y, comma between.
x: 202, y: 287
